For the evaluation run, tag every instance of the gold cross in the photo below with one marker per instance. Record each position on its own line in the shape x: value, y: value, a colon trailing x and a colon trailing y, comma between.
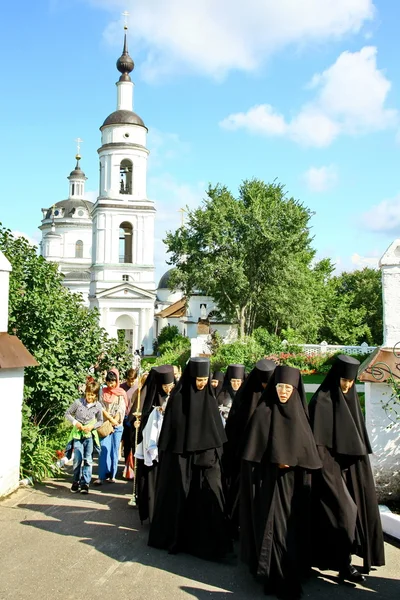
x: 78, y: 145
x: 125, y: 14
x: 182, y: 211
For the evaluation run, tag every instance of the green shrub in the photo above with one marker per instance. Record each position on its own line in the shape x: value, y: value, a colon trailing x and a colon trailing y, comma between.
x: 246, y: 351
x: 39, y: 449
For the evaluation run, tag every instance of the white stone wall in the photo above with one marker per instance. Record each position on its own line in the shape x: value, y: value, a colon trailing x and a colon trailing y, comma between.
x: 390, y: 268
x: 63, y: 249
x: 385, y: 440
x: 11, y: 394
x: 136, y: 315
x: 106, y: 226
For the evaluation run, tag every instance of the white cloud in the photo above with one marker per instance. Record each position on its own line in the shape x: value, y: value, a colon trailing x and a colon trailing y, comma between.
x: 350, y: 99
x: 360, y: 262
x: 217, y: 37
x: 384, y: 216
x: 33, y: 240
x: 321, y: 179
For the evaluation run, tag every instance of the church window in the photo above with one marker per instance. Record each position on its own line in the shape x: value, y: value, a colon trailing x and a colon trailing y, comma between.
x: 73, y: 190
x: 125, y: 171
x: 125, y: 277
x: 79, y: 249
x: 125, y: 243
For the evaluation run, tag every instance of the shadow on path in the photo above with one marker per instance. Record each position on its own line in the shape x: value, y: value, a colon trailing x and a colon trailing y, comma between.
x: 104, y: 521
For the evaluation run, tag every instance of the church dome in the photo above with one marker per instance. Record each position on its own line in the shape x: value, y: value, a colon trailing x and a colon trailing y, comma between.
x: 164, y: 283
x: 67, y: 208
x: 123, y: 117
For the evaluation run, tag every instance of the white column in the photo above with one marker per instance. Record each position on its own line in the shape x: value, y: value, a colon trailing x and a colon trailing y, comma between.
x: 390, y: 267
x: 143, y: 328
x: 5, y: 270
x: 124, y: 95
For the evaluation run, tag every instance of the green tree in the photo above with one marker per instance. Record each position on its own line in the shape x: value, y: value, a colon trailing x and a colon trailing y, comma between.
x: 251, y: 254
x: 54, y: 325
x: 352, y: 311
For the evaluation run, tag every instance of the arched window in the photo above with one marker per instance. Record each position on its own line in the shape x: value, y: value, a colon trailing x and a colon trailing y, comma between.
x: 125, y: 170
x: 125, y: 243
x: 79, y: 249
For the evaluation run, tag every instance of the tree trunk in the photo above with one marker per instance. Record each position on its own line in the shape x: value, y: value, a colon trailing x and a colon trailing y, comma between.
x: 242, y: 321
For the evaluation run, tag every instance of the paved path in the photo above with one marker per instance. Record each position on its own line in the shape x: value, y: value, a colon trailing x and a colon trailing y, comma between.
x: 56, y: 545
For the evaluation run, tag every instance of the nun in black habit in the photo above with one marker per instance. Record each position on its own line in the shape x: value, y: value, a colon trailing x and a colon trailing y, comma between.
x: 157, y: 389
x: 233, y: 380
x: 345, y: 510
x: 278, y: 455
x: 217, y: 381
x: 243, y: 407
x: 189, y: 513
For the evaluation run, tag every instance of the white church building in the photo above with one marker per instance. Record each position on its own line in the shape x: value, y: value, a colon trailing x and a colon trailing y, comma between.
x: 105, y: 250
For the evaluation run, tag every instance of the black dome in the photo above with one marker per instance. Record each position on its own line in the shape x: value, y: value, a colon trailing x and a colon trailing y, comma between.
x: 123, y: 117
x: 165, y: 279
x: 69, y: 207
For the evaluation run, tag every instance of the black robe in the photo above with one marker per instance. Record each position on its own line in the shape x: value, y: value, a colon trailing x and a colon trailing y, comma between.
x: 274, y: 500
x: 346, y: 517
x: 243, y: 407
x: 145, y: 487
x: 189, y: 514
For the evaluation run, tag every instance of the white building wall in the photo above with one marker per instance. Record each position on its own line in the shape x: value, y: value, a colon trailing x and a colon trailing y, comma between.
x: 385, y: 440
x: 11, y: 395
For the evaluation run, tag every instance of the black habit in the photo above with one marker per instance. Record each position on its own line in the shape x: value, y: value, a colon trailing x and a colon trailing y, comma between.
x: 153, y: 396
x: 243, y: 407
x: 189, y: 514
x: 278, y: 455
x: 345, y: 510
x: 227, y: 394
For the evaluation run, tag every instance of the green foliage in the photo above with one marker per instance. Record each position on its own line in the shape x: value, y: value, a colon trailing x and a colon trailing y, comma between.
x: 62, y: 334
x: 167, y: 334
x: 249, y: 253
x: 39, y: 449
x: 356, y: 314
x: 174, y: 352
x: 246, y: 351
x: 115, y: 353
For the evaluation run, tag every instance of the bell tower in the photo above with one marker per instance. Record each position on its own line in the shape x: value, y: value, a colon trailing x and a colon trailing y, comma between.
x: 122, y: 274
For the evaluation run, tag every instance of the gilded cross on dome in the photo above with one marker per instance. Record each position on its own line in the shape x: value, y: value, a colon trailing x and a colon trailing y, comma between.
x: 125, y: 14
x: 182, y: 211
x: 78, y: 147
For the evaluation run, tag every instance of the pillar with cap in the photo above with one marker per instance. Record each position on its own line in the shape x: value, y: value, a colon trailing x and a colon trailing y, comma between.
x: 13, y: 358
x: 384, y: 434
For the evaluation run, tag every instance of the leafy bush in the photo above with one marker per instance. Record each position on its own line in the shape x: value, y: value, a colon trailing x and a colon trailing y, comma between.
x: 62, y: 334
x: 39, y: 449
x: 246, y: 351
x: 273, y: 344
x: 167, y: 334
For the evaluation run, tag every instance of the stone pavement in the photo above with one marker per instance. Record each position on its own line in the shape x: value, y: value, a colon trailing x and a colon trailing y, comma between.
x: 56, y: 545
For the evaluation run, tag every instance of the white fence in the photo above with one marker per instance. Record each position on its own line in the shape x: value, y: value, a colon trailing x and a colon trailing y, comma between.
x: 325, y: 348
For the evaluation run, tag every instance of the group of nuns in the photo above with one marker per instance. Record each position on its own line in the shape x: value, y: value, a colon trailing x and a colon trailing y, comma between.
x: 292, y: 482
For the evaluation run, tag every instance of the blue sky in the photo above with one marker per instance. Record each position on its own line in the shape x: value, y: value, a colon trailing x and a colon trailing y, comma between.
x: 303, y: 91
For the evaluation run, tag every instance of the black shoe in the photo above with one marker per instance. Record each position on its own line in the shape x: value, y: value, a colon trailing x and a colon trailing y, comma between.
x: 350, y: 573
x: 75, y: 487
x: 84, y: 488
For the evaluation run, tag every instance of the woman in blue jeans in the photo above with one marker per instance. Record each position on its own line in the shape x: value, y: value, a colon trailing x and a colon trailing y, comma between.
x: 113, y: 401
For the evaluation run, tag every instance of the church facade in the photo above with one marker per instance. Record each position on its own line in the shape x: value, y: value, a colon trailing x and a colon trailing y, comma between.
x: 105, y: 250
